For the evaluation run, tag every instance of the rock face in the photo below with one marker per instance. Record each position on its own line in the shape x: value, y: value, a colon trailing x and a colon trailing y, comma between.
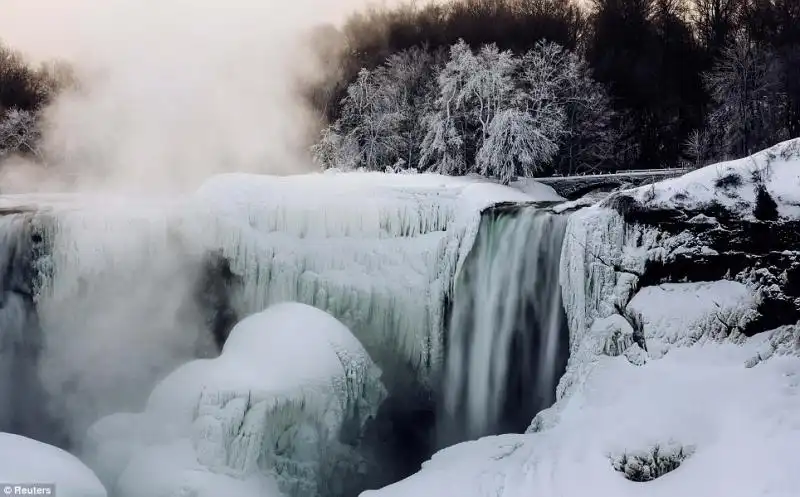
x: 702, y: 227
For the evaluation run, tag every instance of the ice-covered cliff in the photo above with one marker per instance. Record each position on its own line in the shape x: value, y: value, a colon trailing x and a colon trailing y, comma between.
x: 122, y: 291
x: 682, y: 303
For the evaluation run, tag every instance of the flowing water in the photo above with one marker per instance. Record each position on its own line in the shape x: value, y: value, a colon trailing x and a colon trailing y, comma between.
x: 507, y: 344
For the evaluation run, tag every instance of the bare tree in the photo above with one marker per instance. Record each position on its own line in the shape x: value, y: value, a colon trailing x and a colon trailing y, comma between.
x: 748, y: 98
x: 696, y: 147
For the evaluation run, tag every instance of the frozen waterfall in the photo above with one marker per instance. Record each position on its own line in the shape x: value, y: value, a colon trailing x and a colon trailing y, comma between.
x: 507, y: 342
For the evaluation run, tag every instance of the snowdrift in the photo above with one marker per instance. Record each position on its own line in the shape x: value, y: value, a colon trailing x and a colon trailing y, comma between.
x: 274, y: 413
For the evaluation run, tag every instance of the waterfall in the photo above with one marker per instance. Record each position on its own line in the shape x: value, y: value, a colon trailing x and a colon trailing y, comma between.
x: 507, y: 342
x: 23, y: 405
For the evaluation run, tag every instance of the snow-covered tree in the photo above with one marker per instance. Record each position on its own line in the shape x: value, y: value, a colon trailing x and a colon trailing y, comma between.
x: 444, y: 148
x: 559, y: 82
x: 473, y: 90
x: 335, y: 150
x: 370, y: 119
x: 516, y: 145
x: 748, y: 99
x: 696, y: 148
x: 408, y: 79
x: 19, y: 133
x: 381, y: 115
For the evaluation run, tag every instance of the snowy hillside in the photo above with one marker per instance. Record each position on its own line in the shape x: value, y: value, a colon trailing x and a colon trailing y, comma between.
x: 682, y: 302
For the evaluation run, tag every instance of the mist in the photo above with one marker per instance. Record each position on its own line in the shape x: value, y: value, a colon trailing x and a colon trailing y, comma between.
x: 170, y: 91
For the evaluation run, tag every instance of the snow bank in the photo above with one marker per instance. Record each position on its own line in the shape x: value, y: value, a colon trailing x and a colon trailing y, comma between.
x: 27, y: 461
x: 730, y: 430
x: 268, y: 413
x: 733, y: 184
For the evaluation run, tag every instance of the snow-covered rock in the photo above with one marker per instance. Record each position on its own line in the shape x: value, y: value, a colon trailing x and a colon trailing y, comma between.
x: 25, y: 461
x: 281, y: 407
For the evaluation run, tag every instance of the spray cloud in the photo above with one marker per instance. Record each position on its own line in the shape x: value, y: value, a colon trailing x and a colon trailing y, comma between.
x: 171, y: 91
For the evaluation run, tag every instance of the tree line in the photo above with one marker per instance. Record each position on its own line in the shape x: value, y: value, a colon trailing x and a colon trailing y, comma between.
x: 517, y: 87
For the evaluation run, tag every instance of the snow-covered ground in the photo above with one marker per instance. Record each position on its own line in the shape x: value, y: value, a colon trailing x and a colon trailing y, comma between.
x: 733, y: 429
x: 267, y: 414
x: 25, y: 461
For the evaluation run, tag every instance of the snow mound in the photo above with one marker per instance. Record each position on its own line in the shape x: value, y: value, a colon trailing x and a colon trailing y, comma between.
x: 734, y: 185
x: 27, y: 461
x: 696, y: 406
x: 291, y: 387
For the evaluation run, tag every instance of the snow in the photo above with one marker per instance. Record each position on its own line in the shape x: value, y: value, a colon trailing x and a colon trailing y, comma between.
x: 26, y: 461
x: 660, y: 382
x: 261, y: 415
x: 540, y: 191
x: 738, y: 426
x: 684, y: 313
x: 777, y: 165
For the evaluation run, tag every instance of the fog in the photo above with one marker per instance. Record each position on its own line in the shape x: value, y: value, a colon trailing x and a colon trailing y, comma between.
x: 170, y: 91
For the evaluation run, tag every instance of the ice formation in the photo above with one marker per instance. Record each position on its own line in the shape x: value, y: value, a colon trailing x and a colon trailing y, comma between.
x: 26, y: 461
x: 377, y: 251
x: 507, y: 327
x: 282, y: 407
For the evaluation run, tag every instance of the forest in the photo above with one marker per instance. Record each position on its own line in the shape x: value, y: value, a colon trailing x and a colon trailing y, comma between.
x: 507, y: 88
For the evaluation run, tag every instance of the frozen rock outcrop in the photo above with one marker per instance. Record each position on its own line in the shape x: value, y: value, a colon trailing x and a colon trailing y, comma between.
x: 281, y: 408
